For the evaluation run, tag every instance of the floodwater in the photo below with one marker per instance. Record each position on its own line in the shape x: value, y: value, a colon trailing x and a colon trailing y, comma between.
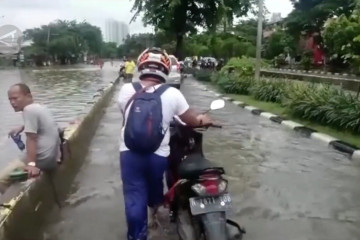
x: 284, y: 186
x: 66, y: 91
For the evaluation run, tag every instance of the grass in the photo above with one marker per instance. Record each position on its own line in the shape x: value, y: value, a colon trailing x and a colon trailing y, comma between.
x: 276, y: 108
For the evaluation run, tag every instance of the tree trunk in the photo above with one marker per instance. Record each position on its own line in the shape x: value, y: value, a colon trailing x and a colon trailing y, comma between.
x: 62, y: 60
x: 179, y: 42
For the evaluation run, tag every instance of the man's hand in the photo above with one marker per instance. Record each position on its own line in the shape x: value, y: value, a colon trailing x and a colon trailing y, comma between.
x: 32, y: 171
x: 16, y: 131
x: 204, y: 120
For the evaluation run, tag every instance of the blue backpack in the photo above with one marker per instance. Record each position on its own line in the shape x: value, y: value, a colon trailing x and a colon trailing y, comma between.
x: 144, y: 130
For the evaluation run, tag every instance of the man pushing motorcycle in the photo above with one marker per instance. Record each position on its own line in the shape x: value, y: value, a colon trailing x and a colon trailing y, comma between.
x: 148, y: 107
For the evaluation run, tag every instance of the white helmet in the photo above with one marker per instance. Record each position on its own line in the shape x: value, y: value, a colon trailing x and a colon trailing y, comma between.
x: 155, y: 63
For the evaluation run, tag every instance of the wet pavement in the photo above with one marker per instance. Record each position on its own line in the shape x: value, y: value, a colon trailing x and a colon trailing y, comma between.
x: 283, y: 186
x: 65, y: 90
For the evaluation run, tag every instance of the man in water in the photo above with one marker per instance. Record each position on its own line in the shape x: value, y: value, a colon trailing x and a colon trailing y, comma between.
x: 42, y: 136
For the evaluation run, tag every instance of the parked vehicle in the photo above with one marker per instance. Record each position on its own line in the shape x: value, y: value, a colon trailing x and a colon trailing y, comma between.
x: 198, y: 187
x: 174, y: 78
x: 208, y: 63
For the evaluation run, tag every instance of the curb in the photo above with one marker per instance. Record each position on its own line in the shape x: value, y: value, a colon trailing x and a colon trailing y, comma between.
x: 347, y: 148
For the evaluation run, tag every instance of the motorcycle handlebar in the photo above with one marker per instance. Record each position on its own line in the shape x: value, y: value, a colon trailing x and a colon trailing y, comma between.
x: 209, y: 126
x: 173, y: 123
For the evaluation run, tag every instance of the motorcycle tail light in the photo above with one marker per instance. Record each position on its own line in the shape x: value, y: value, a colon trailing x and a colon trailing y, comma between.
x: 222, y: 185
x: 199, y: 189
x: 211, y: 186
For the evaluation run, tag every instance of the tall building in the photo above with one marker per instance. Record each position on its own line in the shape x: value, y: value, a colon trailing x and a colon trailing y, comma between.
x: 116, y: 31
x: 276, y: 17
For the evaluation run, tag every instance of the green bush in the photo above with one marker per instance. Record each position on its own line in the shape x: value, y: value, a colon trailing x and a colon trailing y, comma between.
x: 269, y: 90
x: 324, y: 104
x: 319, y: 103
x: 202, y: 75
x: 237, y: 85
x: 243, y: 66
x: 306, y: 60
x: 279, y: 61
x: 233, y: 83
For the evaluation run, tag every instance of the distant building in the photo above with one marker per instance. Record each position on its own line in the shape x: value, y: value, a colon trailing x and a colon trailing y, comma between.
x: 116, y: 31
x: 276, y: 21
x: 275, y: 17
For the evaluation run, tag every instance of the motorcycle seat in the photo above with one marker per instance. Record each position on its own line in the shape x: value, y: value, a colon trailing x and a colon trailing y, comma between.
x: 194, y: 165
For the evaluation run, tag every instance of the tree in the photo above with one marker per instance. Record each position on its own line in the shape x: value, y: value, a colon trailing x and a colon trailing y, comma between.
x: 135, y: 44
x: 65, y: 40
x: 179, y: 18
x: 279, y: 43
x: 342, y: 39
x: 310, y: 15
x: 91, y: 36
x: 247, y: 30
x: 109, y: 50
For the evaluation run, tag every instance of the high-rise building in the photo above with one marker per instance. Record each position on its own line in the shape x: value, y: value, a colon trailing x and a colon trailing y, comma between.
x: 276, y: 17
x: 116, y: 31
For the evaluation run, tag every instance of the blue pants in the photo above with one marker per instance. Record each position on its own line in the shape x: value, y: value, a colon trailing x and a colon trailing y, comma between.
x: 142, y: 177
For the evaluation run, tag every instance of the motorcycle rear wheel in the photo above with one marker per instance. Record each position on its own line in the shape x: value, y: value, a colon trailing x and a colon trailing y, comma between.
x: 188, y: 228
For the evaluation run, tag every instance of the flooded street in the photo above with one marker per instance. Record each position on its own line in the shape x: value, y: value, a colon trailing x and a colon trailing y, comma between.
x: 65, y: 90
x: 283, y: 186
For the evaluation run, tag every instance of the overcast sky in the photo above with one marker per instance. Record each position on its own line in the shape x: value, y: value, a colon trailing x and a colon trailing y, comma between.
x: 34, y: 13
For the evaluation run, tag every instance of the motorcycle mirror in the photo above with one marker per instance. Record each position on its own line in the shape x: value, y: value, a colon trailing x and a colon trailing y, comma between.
x: 217, y: 104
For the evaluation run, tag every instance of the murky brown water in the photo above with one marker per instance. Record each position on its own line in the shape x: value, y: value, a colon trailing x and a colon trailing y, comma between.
x: 284, y: 186
x: 65, y: 90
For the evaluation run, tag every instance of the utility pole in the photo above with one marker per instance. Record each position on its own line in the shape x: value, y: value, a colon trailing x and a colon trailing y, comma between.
x: 259, y: 38
x: 48, y: 41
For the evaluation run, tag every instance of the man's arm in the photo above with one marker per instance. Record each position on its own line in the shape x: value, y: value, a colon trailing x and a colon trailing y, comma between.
x: 190, y: 118
x: 31, y: 147
x: 31, y: 150
x: 31, y: 127
x: 193, y: 119
x: 188, y: 115
x: 16, y: 131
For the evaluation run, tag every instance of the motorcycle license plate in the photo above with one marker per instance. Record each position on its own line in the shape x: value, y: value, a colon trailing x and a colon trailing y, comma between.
x: 201, y: 205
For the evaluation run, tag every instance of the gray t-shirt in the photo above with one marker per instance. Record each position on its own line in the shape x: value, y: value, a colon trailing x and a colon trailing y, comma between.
x: 38, y: 119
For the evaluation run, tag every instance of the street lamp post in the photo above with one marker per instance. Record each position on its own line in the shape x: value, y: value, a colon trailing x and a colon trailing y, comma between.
x: 259, y: 38
x: 48, y: 42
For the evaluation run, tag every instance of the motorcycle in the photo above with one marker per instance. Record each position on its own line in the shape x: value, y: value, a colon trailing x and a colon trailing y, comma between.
x: 197, y: 187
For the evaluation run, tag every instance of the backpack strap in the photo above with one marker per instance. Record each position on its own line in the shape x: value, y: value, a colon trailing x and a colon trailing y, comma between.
x: 138, y: 89
x: 137, y: 86
x: 160, y: 90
